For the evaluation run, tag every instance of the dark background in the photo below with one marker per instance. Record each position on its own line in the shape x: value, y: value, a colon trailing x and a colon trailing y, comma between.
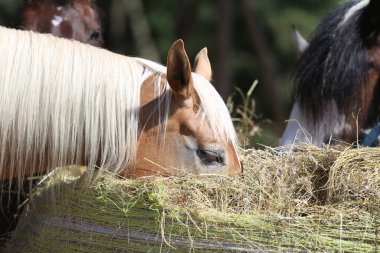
x: 247, y: 40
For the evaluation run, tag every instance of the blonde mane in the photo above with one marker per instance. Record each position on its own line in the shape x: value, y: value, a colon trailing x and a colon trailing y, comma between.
x: 62, y: 102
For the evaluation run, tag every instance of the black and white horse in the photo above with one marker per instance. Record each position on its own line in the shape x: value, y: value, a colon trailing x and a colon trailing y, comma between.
x: 337, y: 83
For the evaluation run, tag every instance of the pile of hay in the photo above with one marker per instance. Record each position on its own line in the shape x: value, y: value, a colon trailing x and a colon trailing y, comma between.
x: 309, y: 200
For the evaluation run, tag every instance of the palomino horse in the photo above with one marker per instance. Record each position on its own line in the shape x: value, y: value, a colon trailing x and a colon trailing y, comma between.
x: 64, y: 103
x: 337, y: 94
x: 72, y: 19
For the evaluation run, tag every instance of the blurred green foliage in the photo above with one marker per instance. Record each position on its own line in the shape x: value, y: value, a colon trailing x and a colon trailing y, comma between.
x: 197, y: 22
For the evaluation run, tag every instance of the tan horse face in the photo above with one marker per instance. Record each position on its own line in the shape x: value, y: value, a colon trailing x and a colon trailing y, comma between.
x: 189, y: 145
x: 76, y: 20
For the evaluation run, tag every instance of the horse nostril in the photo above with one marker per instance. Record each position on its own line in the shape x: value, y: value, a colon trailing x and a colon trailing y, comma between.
x: 95, y: 35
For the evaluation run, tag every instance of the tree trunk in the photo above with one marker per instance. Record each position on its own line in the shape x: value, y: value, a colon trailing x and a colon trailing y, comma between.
x: 223, y: 81
x: 259, y: 44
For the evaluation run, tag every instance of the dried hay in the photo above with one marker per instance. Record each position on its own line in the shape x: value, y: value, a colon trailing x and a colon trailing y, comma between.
x: 309, y: 200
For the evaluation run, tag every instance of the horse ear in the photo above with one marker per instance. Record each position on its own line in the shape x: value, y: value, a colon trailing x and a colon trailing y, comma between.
x: 179, y: 69
x: 301, y: 43
x: 202, y: 64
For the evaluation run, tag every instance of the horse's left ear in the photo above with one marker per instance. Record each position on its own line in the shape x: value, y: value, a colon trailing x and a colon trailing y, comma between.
x: 202, y: 64
x: 370, y: 20
x: 179, y: 70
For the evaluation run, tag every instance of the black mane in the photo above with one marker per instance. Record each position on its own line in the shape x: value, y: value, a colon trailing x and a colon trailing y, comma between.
x: 336, y: 61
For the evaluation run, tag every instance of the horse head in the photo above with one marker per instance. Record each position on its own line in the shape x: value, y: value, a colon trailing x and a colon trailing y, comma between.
x: 190, y: 143
x: 337, y: 93
x: 73, y: 19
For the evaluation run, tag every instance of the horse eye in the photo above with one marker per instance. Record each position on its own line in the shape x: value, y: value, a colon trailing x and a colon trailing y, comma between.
x: 211, y: 157
x: 95, y: 34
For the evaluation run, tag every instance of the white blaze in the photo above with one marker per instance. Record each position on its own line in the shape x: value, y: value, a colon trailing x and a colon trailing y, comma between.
x: 57, y: 20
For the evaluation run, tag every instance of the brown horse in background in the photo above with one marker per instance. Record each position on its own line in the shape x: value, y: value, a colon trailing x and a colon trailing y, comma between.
x: 72, y: 19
